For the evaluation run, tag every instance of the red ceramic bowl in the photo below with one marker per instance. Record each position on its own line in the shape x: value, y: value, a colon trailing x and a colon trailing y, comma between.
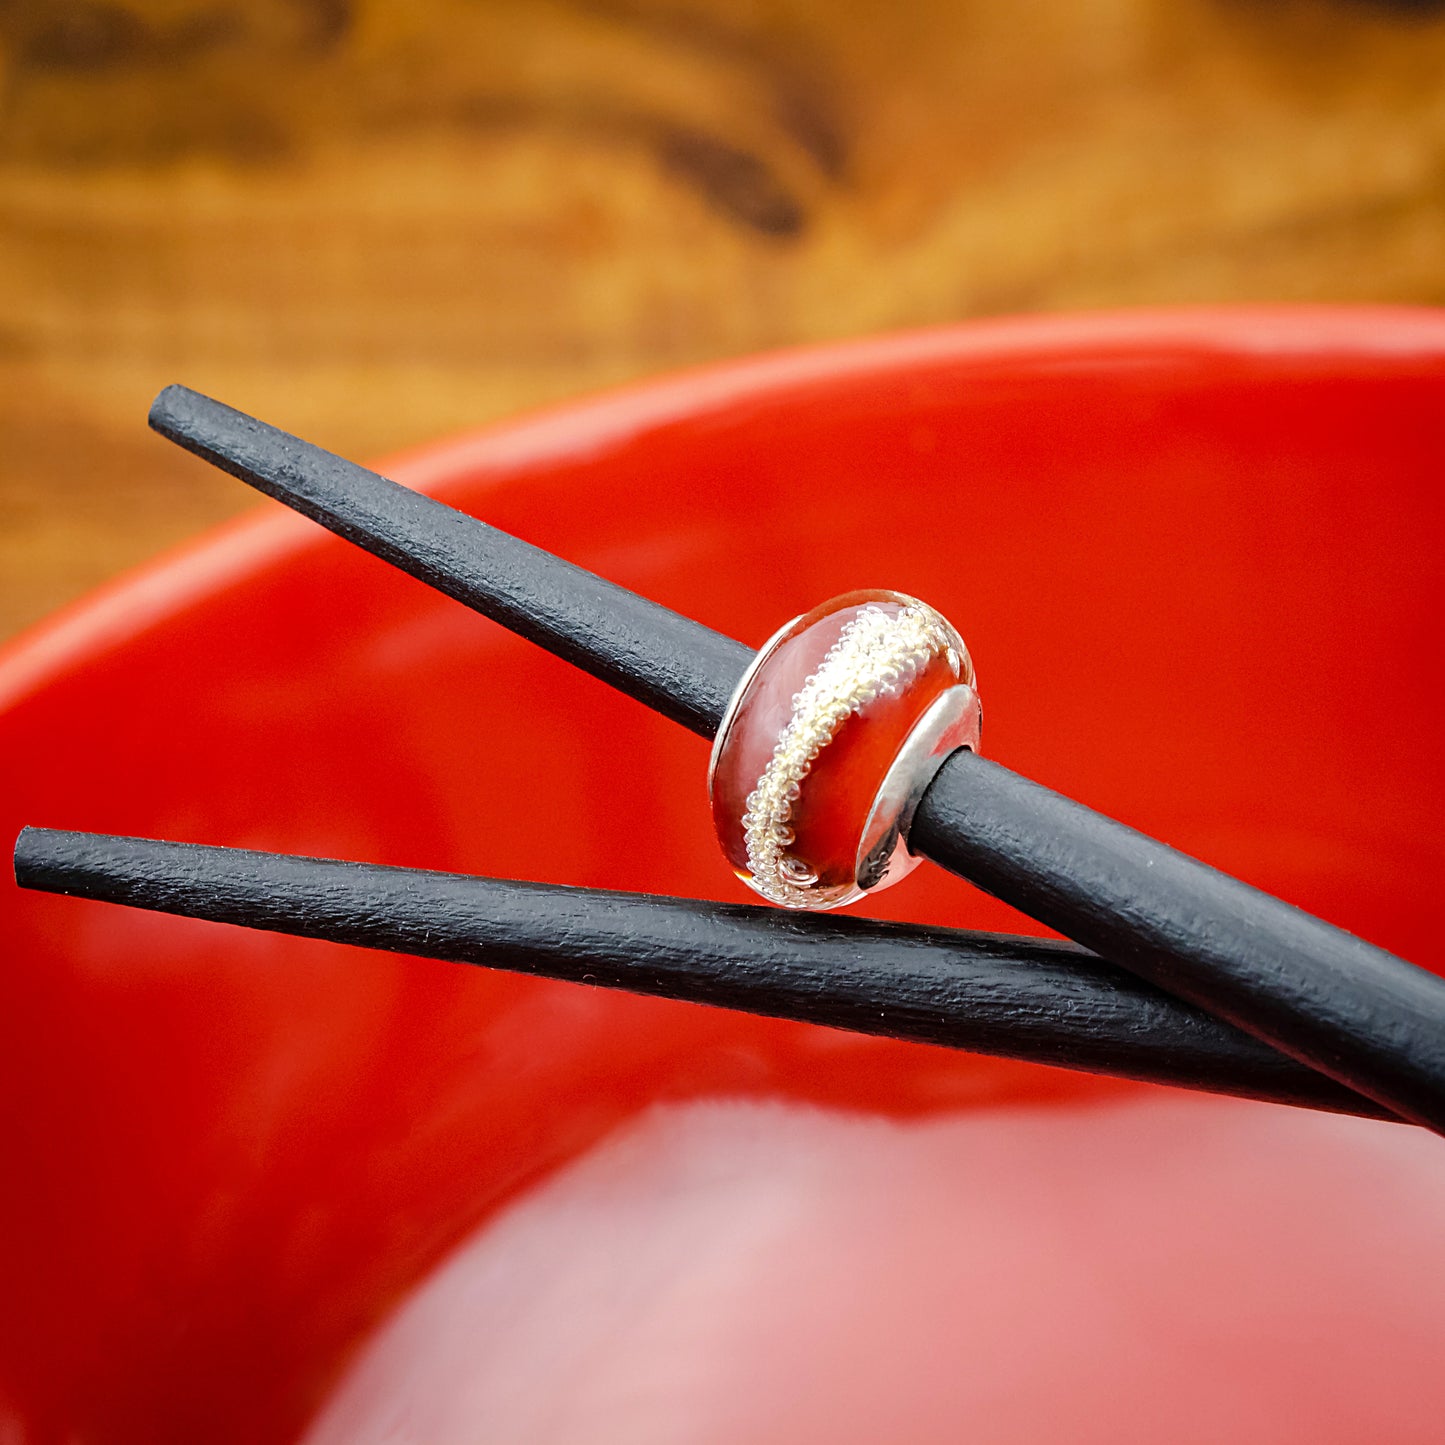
x: 1198, y: 560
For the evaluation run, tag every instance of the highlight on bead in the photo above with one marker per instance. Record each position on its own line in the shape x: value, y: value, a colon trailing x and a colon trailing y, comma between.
x: 829, y: 741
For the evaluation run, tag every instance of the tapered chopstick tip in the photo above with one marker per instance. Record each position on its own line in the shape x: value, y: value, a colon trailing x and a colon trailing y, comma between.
x: 174, y: 407
x: 33, y: 855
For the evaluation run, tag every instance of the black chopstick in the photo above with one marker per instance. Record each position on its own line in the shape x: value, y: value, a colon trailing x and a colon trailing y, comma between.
x: 1017, y: 998
x: 1352, y: 1011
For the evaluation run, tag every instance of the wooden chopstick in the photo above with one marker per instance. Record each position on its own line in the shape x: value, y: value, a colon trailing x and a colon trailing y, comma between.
x: 1019, y: 998
x: 1346, y: 1008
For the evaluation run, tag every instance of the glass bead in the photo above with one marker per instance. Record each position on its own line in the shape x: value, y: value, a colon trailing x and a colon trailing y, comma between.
x: 812, y: 734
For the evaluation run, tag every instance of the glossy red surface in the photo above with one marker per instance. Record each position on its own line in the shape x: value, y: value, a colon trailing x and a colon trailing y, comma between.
x: 1198, y: 559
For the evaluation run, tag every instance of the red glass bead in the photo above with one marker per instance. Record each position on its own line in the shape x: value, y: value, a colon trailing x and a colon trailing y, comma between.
x: 813, y: 732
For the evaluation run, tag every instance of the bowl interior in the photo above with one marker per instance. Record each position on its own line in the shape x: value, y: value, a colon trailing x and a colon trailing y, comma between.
x: 1198, y: 562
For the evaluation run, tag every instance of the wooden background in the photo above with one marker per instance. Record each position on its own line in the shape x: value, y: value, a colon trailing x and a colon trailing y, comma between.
x: 376, y: 222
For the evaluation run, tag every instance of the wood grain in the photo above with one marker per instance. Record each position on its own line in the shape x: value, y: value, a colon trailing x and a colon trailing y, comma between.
x: 374, y: 223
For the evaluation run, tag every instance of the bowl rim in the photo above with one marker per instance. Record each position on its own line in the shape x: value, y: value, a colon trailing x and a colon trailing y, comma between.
x: 151, y: 592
